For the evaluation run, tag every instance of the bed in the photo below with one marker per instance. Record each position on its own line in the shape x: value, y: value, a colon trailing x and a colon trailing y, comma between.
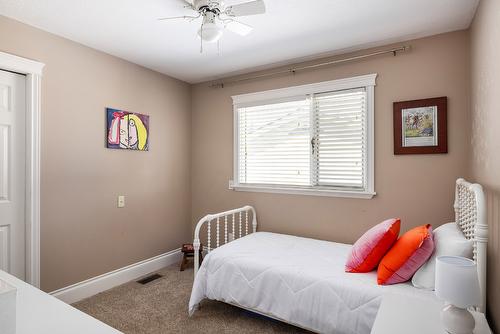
x: 302, y: 281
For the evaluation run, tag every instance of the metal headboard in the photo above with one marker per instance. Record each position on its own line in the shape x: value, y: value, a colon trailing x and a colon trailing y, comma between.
x: 237, y: 218
x: 470, y: 215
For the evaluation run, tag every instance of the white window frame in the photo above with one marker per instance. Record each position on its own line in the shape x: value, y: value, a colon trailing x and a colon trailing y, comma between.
x: 365, y: 81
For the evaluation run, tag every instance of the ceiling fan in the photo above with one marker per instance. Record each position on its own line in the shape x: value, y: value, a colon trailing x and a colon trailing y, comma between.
x: 216, y: 17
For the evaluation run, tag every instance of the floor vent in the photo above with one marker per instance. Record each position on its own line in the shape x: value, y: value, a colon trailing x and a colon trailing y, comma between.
x: 149, y: 278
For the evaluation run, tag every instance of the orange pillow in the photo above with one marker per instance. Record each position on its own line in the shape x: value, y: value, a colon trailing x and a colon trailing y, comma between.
x: 408, y: 254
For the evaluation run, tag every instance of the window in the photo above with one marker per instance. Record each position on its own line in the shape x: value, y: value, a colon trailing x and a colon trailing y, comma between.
x: 313, y: 139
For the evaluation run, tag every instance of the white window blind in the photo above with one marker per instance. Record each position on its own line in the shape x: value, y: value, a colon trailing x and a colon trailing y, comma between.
x: 339, y: 139
x: 274, y: 143
x: 317, y: 142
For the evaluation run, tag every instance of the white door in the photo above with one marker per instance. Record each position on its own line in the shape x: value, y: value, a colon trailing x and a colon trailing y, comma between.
x: 12, y: 173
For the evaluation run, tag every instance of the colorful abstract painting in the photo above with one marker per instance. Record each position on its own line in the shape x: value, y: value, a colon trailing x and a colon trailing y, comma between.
x: 127, y: 130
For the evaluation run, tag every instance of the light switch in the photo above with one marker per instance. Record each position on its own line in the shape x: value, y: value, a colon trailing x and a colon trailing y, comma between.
x: 121, y: 201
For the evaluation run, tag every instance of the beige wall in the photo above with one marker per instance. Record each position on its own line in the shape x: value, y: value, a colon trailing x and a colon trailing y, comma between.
x: 83, y: 234
x: 417, y: 188
x: 485, y: 85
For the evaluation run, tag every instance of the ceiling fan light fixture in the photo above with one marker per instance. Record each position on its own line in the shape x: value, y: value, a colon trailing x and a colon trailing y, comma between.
x: 217, y: 17
x: 210, y: 32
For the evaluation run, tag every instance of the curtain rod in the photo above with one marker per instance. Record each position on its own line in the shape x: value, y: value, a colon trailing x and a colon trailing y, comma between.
x: 293, y: 70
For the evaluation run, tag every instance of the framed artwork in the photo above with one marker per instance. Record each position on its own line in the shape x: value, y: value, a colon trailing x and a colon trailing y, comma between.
x: 127, y: 130
x: 420, y: 126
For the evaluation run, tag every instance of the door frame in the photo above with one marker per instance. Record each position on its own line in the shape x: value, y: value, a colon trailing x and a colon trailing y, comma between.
x: 33, y: 71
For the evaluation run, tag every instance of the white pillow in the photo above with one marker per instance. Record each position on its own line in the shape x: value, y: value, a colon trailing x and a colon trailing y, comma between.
x: 448, y: 240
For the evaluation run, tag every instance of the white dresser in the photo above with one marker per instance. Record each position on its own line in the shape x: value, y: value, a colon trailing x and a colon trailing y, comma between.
x: 38, y: 312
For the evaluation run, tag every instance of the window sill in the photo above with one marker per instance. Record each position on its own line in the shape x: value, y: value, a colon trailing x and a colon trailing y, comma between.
x: 304, y: 191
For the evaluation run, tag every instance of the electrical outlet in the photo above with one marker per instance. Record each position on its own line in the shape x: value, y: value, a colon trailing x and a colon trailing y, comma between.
x: 121, y: 201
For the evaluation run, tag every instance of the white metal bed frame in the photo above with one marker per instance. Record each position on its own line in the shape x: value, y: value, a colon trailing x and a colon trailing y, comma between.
x: 236, y: 214
x: 470, y: 215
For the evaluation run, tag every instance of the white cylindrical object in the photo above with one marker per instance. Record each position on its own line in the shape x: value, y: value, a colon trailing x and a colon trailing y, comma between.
x: 457, y: 281
x: 7, y: 308
x: 210, y: 31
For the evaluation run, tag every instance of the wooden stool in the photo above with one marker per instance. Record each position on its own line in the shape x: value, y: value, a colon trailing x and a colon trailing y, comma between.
x: 188, y: 253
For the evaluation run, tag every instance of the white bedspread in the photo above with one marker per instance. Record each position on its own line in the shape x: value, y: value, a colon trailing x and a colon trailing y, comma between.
x: 298, y: 280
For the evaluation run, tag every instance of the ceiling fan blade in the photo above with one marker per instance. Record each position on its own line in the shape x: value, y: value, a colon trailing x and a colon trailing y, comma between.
x: 178, y: 17
x: 238, y: 27
x: 186, y: 2
x: 247, y: 8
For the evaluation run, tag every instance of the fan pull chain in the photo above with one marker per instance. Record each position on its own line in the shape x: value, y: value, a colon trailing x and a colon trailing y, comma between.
x: 201, y: 38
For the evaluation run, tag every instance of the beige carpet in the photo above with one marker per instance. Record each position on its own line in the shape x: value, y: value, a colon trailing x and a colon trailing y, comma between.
x: 161, y: 307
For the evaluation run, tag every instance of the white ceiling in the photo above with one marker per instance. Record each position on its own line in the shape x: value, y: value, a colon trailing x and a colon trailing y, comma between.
x: 290, y: 30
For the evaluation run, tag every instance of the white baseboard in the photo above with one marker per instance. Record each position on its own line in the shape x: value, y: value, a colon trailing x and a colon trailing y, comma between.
x: 76, y: 292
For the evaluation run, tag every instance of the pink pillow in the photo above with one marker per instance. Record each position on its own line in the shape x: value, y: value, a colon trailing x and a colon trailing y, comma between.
x: 367, y: 252
x: 409, y: 253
